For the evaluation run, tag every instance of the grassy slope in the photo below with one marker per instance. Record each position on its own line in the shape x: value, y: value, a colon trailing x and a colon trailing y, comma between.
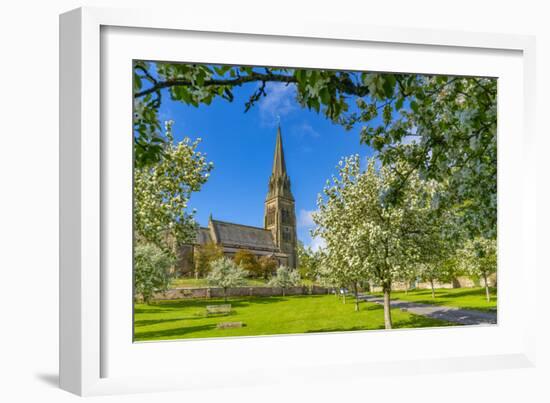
x: 181, y: 319
x: 469, y: 298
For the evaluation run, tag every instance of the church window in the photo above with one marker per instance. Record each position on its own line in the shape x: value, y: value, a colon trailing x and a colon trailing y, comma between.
x: 270, y: 215
x: 286, y: 216
x: 286, y: 235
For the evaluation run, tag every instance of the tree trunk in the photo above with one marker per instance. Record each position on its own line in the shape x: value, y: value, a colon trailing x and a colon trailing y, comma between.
x: 433, y: 290
x: 283, y: 291
x: 487, y: 293
x: 344, y: 297
x: 225, y: 294
x: 387, y: 307
x: 356, y: 292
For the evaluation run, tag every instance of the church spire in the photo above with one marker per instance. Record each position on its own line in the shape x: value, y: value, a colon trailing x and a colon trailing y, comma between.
x: 279, y: 167
x: 280, y: 212
x: 279, y: 182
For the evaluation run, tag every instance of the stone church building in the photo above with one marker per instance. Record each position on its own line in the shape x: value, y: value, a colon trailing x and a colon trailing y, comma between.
x: 276, y: 239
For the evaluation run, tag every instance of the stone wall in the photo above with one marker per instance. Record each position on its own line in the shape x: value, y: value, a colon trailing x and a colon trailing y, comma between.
x: 465, y: 282
x: 204, y: 292
x: 402, y: 286
x: 458, y: 282
x: 179, y: 293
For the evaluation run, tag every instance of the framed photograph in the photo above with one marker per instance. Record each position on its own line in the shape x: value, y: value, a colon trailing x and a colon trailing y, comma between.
x: 290, y: 201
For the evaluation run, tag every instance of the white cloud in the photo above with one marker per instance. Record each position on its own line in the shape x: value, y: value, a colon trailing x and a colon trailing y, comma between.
x: 305, y: 219
x: 304, y: 129
x: 409, y: 140
x: 317, y: 243
x: 168, y: 114
x: 279, y: 102
x: 412, y: 138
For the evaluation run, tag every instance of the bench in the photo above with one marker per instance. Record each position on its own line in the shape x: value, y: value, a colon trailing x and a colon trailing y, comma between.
x: 218, y: 309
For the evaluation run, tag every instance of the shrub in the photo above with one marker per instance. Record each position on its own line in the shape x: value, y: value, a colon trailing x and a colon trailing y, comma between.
x: 247, y: 261
x: 204, y: 255
x: 268, y: 266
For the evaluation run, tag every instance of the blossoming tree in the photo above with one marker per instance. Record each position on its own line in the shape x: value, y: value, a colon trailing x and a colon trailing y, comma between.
x: 224, y: 273
x: 284, y: 278
x: 366, y: 235
x: 162, y: 190
x: 478, y: 258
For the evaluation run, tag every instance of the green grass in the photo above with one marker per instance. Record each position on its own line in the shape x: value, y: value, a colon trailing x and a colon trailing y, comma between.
x: 184, y: 319
x: 467, y: 298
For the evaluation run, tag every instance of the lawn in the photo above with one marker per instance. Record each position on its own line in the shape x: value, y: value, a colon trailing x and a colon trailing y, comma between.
x: 468, y: 298
x: 184, y: 319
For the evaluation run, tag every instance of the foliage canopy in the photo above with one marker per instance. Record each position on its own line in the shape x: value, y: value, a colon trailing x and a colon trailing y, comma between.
x: 444, y: 127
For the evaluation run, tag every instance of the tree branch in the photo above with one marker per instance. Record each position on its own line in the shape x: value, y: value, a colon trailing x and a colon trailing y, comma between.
x: 343, y: 84
x: 233, y: 82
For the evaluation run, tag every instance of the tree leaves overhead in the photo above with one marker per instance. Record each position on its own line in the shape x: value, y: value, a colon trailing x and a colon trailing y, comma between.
x: 442, y: 126
x: 447, y: 133
x: 195, y: 84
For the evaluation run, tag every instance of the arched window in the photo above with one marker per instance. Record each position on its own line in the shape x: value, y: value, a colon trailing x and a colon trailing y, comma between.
x: 287, y: 237
x: 270, y: 220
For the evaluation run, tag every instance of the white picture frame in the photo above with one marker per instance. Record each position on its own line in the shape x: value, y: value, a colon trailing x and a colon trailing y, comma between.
x: 89, y: 345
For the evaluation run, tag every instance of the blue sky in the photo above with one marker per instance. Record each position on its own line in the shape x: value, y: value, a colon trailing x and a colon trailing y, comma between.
x: 241, y: 146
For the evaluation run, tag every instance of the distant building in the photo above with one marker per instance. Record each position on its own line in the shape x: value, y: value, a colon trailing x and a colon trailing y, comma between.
x: 276, y: 239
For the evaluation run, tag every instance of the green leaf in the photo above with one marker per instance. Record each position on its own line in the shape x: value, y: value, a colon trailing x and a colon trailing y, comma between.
x: 399, y: 103
x: 388, y: 85
x: 300, y: 75
x: 314, y: 104
x: 325, y: 95
x: 221, y: 70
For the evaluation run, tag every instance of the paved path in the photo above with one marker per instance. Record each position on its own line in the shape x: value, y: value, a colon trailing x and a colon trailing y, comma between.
x: 448, y: 313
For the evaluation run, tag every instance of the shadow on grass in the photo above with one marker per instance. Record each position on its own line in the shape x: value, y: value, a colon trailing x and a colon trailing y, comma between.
x: 150, y: 322
x: 150, y: 309
x: 417, y: 321
x: 167, y: 306
x: 179, y: 332
x: 328, y: 330
x: 413, y: 321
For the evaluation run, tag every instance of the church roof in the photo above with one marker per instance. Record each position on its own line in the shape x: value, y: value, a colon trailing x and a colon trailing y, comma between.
x: 243, y: 236
x: 203, y: 236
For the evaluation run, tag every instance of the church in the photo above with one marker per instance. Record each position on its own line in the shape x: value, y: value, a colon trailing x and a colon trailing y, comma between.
x: 277, y: 238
